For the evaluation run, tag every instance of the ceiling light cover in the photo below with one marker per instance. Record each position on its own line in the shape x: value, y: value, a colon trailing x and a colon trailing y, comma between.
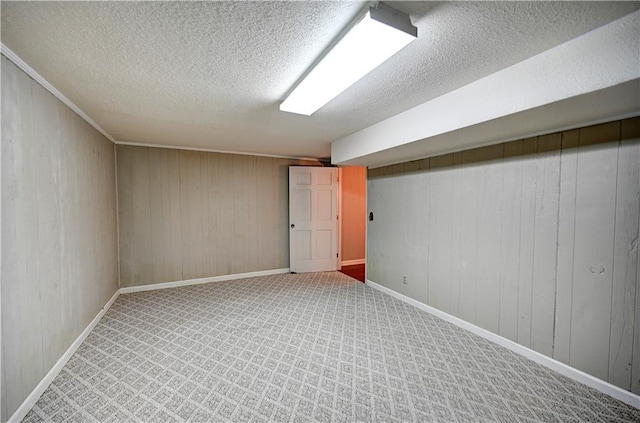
x: 369, y: 43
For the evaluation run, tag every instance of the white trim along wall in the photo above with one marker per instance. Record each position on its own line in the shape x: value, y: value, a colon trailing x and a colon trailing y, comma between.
x: 570, y: 372
x: 9, y: 54
x: 577, y: 375
x: 30, y: 401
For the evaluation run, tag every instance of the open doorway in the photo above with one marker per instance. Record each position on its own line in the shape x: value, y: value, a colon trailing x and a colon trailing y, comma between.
x: 353, y: 202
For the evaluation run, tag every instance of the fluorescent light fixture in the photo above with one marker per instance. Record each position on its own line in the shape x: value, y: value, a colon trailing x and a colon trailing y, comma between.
x: 381, y: 33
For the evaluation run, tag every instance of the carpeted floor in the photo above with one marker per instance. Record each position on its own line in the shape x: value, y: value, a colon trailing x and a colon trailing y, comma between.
x: 300, y: 348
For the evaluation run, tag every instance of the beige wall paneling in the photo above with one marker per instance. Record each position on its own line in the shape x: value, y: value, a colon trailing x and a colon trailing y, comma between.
x: 207, y: 173
x: 141, y: 202
x: 510, y: 239
x: 631, y: 133
x: 190, y: 214
x: 268, y: 212
x: 157, y: 212
x: 172, y: 212
x: 245, y: 234
x: 21, y: 319
x: 239, y: 227
x: 125, y: 214
x: 625, y: 259
x: 225, y: 208
x: 416, y: 228
x: 59, y: 250
x: 211, y: 229
x: 566, y: 242
x: 46, y: 144
x: 239, y: 230
x: 32, y: 354
x: 456, y: 247
x: 593, y: 250
x: 377, y: 185
x: 489, y: 172
x: 468, y: 224
x: 440, y: 231
x: 105, y: 226
x: 408, y: 236
x: 546, y: 243
x: 527, y: 239
x: 542, y: 244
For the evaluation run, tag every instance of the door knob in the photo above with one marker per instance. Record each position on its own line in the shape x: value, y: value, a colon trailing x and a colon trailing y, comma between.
x: 293, y: 226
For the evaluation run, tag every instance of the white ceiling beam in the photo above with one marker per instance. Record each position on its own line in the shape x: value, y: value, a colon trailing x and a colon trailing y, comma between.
x: 603, y: 59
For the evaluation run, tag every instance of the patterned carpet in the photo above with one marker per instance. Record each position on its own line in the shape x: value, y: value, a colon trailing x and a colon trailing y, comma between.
x: 300, y: 348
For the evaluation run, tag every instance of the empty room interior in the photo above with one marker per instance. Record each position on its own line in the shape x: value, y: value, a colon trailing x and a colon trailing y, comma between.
x: 330, y: 211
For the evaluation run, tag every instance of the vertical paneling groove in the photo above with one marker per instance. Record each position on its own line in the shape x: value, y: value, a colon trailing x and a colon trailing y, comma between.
x: 30, y: 232
x: 510, y: 218
x: 468, y: 236
x: 140, y: 199
x: 125, y: 212
x: 207, y: 218
x: 456, y: 250
x: 265, y: 179
x: 566, y: 242
x: 440, y: 232
x: 46, y: 140
x: 625, y: 261
x: 527, y: 240
x: 157, y: 190
x: 489, y: 175
x: 254, y: 213
x: 420, y: 233
x: 240, y: 235
x: 593, y: 252
x: 209, y: 191
x: 192, y: 215
x: 542, y: 242
x: 546, y: 243
x: 624, y: 365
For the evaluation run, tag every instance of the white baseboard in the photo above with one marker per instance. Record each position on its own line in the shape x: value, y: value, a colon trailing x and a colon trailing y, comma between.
x: 165, y: 285
x: 575, y: 374
x: 353, y: 262
x: 33, y: 397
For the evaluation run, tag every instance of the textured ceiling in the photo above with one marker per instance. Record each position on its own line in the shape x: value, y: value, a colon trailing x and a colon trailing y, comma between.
x: 211, y: 75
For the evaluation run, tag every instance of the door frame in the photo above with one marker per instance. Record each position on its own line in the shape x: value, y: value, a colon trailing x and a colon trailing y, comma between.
x: 339, y: 218
x: 340, y: 206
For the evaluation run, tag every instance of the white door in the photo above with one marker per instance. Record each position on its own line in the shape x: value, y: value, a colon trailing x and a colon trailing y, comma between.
x: 313, y: 219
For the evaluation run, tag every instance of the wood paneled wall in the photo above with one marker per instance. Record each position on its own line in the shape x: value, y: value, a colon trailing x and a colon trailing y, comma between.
x: 59, y: 247
x: 353, y: 184
x: 535, y: 240
x: 188, y: 214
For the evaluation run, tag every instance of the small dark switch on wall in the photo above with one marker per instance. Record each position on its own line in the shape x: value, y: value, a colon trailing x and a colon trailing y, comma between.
x: 371, y: 216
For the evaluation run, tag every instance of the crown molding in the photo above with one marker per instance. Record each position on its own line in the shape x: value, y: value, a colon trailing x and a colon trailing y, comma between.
x: 6, y: 52
x: 9, y: 54
x: 211, y: 150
